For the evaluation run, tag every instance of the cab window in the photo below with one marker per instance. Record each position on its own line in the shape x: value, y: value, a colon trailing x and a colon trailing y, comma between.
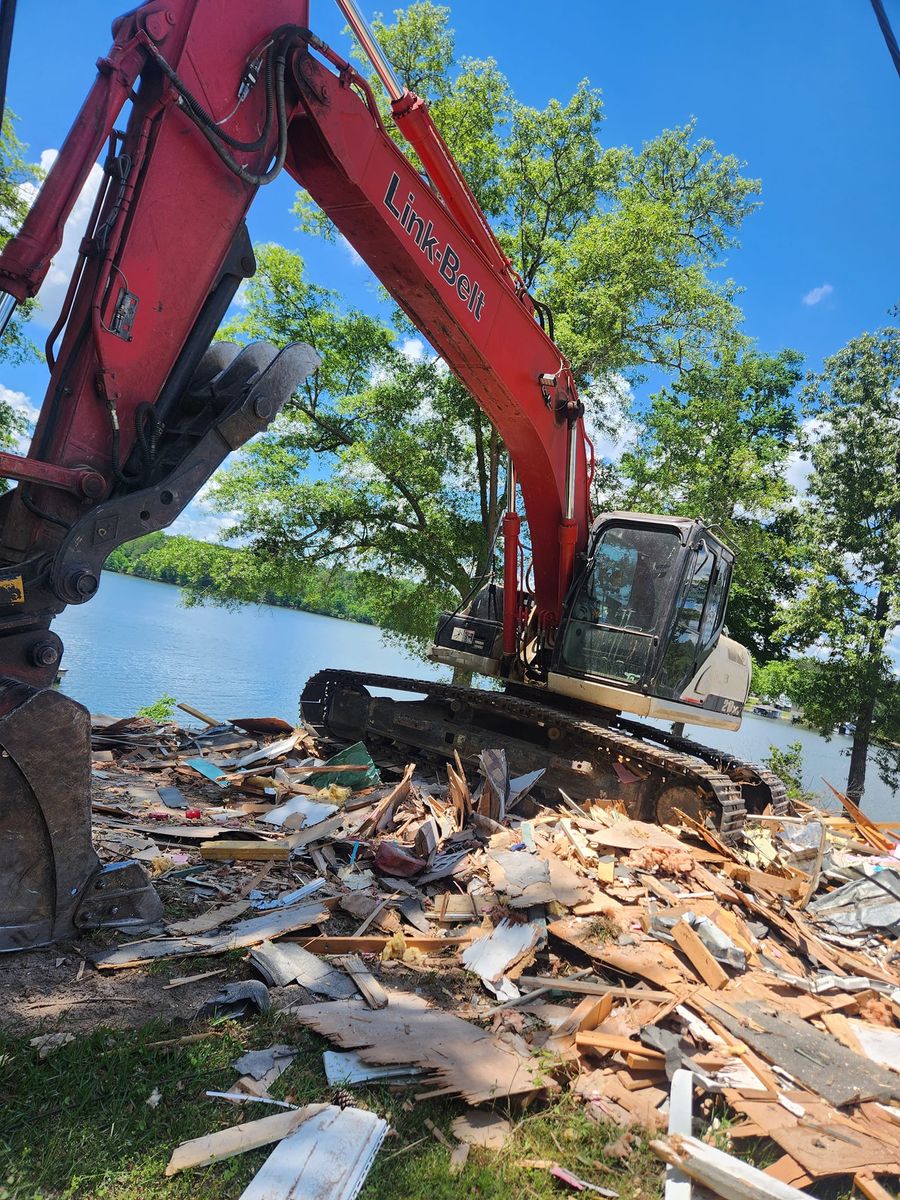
x: 616, y: 612
x: 682, y: 651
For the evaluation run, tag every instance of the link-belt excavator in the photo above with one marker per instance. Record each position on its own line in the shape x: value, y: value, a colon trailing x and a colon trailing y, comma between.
x: 615, y: 617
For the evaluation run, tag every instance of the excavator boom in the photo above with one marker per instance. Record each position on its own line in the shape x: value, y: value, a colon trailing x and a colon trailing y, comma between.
x: 141, y: 408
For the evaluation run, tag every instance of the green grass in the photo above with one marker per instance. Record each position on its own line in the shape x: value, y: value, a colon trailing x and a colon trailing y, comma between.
x: 78, y: 1124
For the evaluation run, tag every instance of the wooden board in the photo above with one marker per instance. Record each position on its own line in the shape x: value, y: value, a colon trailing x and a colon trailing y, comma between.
x: 238, y: 1139
x: 698, y: 956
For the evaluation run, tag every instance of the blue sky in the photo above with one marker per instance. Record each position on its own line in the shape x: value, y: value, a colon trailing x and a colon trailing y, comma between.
x: 803, y: 92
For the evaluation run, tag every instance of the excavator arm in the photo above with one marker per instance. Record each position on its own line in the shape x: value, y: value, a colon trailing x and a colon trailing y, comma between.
x: 141, y: 408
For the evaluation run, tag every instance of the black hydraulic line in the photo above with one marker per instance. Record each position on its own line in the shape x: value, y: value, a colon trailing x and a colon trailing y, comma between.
x: 7, y: 20
x: 885, y: 25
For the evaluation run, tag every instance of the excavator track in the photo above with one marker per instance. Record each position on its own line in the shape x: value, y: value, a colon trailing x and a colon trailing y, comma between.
x: 578, y: 754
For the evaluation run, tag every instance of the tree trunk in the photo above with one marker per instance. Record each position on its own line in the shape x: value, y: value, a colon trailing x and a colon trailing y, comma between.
x: 856, y: 778
x: 462, y: 677
x: 677, y: 728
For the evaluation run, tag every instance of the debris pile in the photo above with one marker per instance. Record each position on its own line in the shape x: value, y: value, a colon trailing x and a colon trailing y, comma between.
x: 449, y: 933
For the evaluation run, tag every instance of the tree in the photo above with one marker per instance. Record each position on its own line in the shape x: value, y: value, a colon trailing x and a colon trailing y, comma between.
x: 17, y: 189
x: 395, y: 491
x: 384, y: 462
x: 714, y: 444
x: 848, y: 604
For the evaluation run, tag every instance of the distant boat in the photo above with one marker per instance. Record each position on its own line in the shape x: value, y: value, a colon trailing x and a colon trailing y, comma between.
x: 847, y: 728
x: 765, y: 710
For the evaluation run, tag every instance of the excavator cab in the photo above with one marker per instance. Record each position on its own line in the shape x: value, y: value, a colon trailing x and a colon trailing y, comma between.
x: 642, y: 627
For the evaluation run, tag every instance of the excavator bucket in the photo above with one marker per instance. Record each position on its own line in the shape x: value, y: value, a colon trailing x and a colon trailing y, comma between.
x: 51, y: 881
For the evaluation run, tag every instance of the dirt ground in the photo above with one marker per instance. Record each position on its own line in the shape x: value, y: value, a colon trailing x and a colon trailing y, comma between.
x: 57, y: 989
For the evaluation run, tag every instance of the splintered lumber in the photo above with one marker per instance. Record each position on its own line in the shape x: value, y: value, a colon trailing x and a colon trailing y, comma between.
x: 610, y: 1043
x: 238, y: 1139
x: 871, y: 1188
x: 724, y: 1175
x: 244, y: 933
x: 276, y: 851
x: 762, y: 881
x: 866, y: 826
x: 372, y: 991
x: 466, y: 1061
x: 374, y: 944
x: 698, y: 956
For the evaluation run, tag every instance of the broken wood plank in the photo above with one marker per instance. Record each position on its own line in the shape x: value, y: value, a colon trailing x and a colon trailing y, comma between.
x: 465, y: 1060
x: 375, y: 944
x: 238, y: 1139
x: 372, y: 991
x: 871, y: 1188
x: 762, y: 881
x: 243, y: 851
x: 615, y: 1043
x: 698, y: 956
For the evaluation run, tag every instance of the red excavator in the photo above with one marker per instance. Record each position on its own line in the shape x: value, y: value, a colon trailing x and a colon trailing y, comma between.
x: 614, y: 615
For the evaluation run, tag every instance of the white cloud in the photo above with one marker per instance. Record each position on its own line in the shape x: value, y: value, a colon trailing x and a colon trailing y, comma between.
x: 799, y: 467
x: 56, y: 282
x: 355, y: 257
x: 818, y: 294
x: 21, y: 404
x: 413, y: 348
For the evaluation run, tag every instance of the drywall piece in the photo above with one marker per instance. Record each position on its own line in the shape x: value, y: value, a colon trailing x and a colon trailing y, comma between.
x: 345, y: 1068
x: 244, y: 933
x: 467, y: 1061
x: 681, y: 1098
x: 491, y: 956
x: 523, y: 877
x: 286, y: 962
x: 238, y: 1139
x: 327, y: 1158
x: 724, y: 1175
x: 815, y: 1059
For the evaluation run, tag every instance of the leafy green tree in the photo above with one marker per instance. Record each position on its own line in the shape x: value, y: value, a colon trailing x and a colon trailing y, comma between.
x: 17, y: 185
x: 848, y: 604
x: 385, y: 461
x: 714, y: 444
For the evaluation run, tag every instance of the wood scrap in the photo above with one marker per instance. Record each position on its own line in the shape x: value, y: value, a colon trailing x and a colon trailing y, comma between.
x: 238, y: 1139
x: 465, y: 1060
x: 370, y: 989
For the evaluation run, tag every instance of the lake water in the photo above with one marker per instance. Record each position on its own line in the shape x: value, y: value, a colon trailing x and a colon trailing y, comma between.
x: 135, y: 642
